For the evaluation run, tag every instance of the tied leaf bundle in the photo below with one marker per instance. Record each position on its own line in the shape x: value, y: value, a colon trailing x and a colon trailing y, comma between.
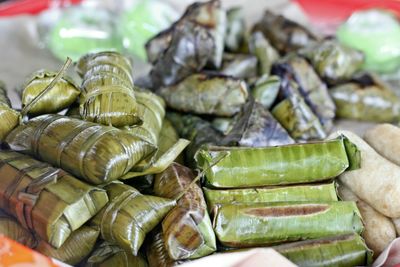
x: 108, y: 96
x: 93, y: 152
x: 187, y: 229
x: 9, y: 118
x: 156, y: 252
x: 129, y: 216
x: 46, y: 200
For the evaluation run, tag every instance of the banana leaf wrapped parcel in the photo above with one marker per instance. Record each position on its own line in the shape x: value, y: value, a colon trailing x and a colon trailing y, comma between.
x: 265, y: 90
x: 129, y: 216
x: 241, y: 66
x: 313, y: 192
x: 44, y: 199
x: 366, y: 98
x: 280, y: 165
x: 106, y: 255
x: 108, y: 95
x: 207, y: 94
x: 77, y: 246
x: 156, y: 252
x: 9, y: 118
x: 63, y: 93
x: 264, y: 51
x: 187, y: 229
x: 257, y: 224
x: 235, y: 36
x: 90, y: 151
x: 333, y: 61
x: 285, y: 35
x: 195, y: 40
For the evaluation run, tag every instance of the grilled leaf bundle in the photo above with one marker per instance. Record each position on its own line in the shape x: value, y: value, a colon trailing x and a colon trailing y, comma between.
x: 110, y: 255
x: 333, y: 61
x: 187, y: 229
x: 290, y: 164
x: 156, y: 252
x: 313, y: 193
x: 285, y: 35
x: 343, y: 250
x: 236, y: 29
x: 296, y: 116
x: 266, y: 89
x: 129, y: 216
x: 9, y: 118
x: 108, y: 96
x: 246, y: 225
x: 256, y: 127
x: 77, y: 246
x: 46, y: 200
x: 207, y: 94
x: 366, y: 99
x: 311, y: 88
x: 196, y: 39
x: 241, y: 66
x: 62, y: 94
x: 90, y: 151
x: 264, y: 51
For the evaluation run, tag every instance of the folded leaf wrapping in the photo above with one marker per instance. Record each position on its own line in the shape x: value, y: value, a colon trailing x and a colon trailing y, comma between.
x: 187, y: 229
x: 88, y: 150
x: 9, y: 118
x: 44, y: 199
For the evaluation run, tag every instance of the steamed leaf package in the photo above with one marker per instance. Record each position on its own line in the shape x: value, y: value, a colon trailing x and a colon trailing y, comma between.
x: 317, y: 192
x: 9, y: 118
x: 196, y: 39
x: 264, y: 51
x: 207, y: 94
x: 311, y: 88
x: 333, y: 61
x: 187, y: 229
x: 108, y: 96
x: 285, y: 35
x: 266, y: 89
x: 256, y: 127
x: 129, y: 216
x: 62, y: 94
x: 44, y: 199
x: 156, y: 252
x: 236, y: 29
x: 256, y: 224
x: 290, y: 164
x: 111, y: 255
x: 241, y: 66
x: 366, y: 98
x: 90, y: 151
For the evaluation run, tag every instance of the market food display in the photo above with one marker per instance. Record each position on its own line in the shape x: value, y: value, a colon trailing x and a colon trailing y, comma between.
x: 225, y: 145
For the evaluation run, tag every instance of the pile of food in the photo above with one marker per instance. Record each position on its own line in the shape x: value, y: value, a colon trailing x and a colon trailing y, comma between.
x: 224, y: 146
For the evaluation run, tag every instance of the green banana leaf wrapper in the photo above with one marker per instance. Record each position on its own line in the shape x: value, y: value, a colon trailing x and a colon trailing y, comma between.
x: 257, y: 224
x: 310, y: 87
x: 106, y: 255
x: 266, y: 89
x: 264, y: 51
x: 108, y: 96
x: 156, y: 252
x: 198, y: 131
x: 46, y: 200
x: 75, y: 248
x: 256, y: 127
x: 242, y: 66
x: 312, y: 192
x: 187, y: 229
x: 207, y: 94
x: 285, y: 35
x: 191, y: 43
x: 9, y: 118
x: 129, y: 216
x: 343, y: 250
x: 235, y: 35
x: 64, y: 93
x: 297, y: 117
x: 280, y: 165
x: 168, y: 137
x: 369, y: 100
x: 93, y: 152
x: 333, y: 61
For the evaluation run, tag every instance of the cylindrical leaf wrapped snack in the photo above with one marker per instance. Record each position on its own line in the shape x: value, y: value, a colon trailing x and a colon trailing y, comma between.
x: 9, y: 118
x: 96, y: 153
x: 44, y: 199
